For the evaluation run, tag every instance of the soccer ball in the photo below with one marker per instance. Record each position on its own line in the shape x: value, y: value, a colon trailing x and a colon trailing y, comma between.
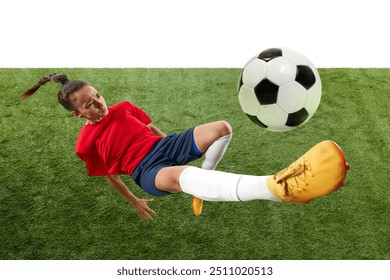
x: 279, y: 89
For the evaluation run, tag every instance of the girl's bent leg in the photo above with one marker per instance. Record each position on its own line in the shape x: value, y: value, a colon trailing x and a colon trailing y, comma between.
x: 167, y: 179
x: 207, y: 134
x: 219, y: 134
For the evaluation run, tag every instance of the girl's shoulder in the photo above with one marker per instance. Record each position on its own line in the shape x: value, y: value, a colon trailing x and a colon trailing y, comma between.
x: 124, y: 104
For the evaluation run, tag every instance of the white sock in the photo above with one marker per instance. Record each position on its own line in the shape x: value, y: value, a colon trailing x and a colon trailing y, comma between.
x: 212, y: 185
x: 215, y: 152
x: 254, y: 187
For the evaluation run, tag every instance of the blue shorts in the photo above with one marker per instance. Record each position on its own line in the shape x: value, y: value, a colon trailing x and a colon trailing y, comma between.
x: 172, y: 150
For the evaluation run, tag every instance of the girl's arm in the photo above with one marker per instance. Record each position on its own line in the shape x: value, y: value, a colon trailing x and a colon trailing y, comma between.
x: 155, y: 130
x: 140, y: 204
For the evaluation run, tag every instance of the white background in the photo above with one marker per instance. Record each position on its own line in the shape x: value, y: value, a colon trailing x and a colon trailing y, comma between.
x: 190, y: 33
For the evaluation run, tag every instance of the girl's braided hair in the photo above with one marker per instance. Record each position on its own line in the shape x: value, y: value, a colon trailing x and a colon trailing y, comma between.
x: 68, y: 88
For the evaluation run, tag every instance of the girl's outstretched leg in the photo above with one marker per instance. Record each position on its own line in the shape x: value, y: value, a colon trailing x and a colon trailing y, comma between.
x: 211, y: 185
x: 320, y: 171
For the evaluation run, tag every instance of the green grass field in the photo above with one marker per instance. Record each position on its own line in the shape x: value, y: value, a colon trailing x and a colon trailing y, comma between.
x: 51, y: 209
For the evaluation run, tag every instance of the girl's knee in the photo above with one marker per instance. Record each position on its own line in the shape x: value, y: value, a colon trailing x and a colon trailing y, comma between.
x: 207, y: 134
x: 225, y: 128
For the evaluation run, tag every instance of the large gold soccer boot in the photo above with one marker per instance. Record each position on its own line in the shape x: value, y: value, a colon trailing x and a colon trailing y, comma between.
x: 197, y: 204
x: 320, y: 171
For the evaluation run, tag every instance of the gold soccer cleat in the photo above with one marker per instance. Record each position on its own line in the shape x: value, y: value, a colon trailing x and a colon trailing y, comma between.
x: 197, y: 204
x: 320, y: 171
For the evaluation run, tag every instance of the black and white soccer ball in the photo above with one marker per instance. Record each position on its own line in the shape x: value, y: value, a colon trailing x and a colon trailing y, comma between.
x: 279, y: 89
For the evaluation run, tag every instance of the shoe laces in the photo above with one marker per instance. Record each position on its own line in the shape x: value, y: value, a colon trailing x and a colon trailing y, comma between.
x: 298, y: 173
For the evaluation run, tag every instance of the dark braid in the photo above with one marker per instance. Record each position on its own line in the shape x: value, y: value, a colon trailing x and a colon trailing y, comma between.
x: 67, y: 89
x: 35, y: 87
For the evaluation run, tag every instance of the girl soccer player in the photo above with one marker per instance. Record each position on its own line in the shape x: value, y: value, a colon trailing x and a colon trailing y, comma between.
x: 121, y: 139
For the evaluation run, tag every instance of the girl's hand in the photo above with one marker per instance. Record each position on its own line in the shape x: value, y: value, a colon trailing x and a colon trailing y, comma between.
x: 143, y: 209
x: 140, y: 205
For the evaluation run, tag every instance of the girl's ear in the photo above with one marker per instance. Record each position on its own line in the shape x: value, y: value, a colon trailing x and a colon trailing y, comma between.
x: 76, y: 114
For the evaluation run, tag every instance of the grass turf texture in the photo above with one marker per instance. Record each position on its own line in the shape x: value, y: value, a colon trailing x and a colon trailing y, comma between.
x: 51, y: 209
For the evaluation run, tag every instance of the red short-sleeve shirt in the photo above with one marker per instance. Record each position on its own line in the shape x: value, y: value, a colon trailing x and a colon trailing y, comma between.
x: 118, y: 143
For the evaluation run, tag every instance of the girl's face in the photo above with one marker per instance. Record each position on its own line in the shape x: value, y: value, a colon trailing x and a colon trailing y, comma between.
x: 89, y: 104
